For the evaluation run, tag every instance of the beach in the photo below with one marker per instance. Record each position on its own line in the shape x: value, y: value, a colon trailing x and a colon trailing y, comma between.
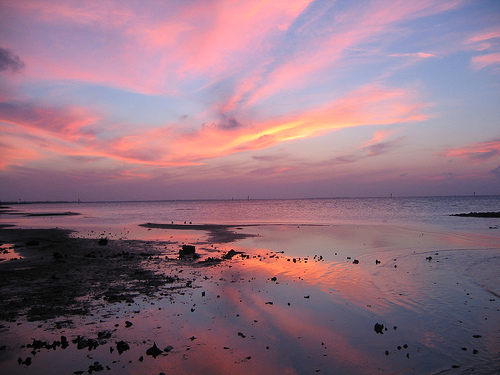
x: 255, y: 299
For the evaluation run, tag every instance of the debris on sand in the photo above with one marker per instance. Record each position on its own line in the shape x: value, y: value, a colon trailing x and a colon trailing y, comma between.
x: 122, y: 346
x: 379, y: 328
x: 154, y: 351
x: 230, y: 254
x: 187, y: 250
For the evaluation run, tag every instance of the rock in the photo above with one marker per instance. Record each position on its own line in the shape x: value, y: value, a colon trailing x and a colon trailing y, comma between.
x: 154, y: 351
x: 377, y: 261
x: 241, y: 334
x: 58, y: 256
x: 379, y: 328
x: 429, y: 258
x: 95, y: 367
x: 122, y: 346
x: 168, y: 348
x: 128, y: 324
x: 187, y: 250
x: 230, y: 254
x: 355, y: 261
x: 102, y: 241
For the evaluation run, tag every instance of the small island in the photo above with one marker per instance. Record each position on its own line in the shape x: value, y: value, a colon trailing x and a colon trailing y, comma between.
x: 479, y: 214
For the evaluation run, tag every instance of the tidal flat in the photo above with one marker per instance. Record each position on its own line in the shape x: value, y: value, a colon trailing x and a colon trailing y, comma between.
x: 365, y: 299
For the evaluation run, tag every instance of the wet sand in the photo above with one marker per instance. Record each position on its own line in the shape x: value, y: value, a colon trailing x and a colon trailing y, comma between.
x: 366, y: 299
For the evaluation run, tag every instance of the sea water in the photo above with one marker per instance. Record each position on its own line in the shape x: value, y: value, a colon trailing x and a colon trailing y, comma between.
x: 426, y: 211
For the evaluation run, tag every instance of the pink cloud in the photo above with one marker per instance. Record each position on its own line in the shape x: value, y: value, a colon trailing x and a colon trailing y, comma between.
x: 358, y: 25
x: 476, y: 153
x: 69, y: 131
x: 379, y: 136
x: 169, y: 42
x: 480, y: 62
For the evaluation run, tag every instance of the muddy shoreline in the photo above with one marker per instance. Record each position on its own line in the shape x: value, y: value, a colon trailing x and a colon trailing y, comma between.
x: 57, y: 275
x: 77, y: 305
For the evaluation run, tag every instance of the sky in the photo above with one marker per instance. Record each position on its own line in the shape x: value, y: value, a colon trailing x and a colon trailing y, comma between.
x: 221, y: 99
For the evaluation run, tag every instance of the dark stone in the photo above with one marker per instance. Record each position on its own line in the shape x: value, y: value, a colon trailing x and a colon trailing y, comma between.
x: 96, y: 367
x: 64, y: 342
x: 57, y: 255
x: 122, y: 346
x: 230, y: 254
x: 377, y: 261
x: 355, y: 261
x: 168, y: 348
x: 128, y: 324
x: 154, y: 351
x: 241, y: 334
x: 379, y: 328
x: 187, y: 250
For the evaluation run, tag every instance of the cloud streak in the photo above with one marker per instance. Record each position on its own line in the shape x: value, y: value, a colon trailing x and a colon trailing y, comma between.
x: 476, y: 153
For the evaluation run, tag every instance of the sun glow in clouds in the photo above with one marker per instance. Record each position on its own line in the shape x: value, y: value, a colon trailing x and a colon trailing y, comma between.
x: 181, y: 91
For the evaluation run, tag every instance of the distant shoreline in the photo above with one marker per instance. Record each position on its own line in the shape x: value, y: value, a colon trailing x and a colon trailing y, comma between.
x: 478, y: 214
x: 10, y: 203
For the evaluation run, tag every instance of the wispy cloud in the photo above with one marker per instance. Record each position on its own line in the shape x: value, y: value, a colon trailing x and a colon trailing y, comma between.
x: 477, y: 152
x: 9, y: 61
x: 488, y: 44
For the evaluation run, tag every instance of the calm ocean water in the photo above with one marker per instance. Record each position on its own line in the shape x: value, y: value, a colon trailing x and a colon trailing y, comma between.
x: 429, y: 211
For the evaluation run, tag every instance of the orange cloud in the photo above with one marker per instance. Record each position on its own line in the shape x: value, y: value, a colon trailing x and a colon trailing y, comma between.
x: 71, y: 131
